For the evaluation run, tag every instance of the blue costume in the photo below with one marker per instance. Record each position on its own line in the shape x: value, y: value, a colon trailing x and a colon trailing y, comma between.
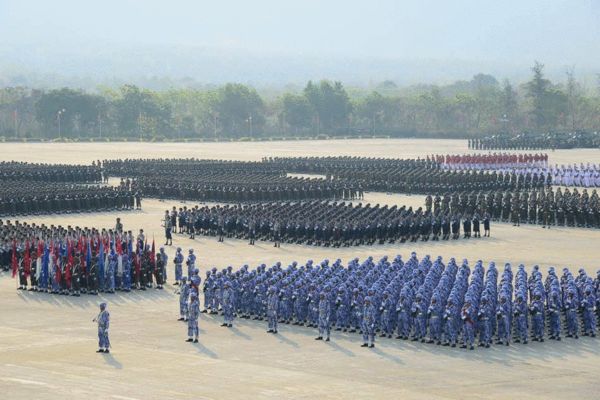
x: 184, y: 294
x: 272, y: 309
x: 368, y: 323
x: 193, y: 315
x: 228, y: 304
x: 324, y: 317
x: 103, y: 320
x: 178, y: 260
x: 191, y: 262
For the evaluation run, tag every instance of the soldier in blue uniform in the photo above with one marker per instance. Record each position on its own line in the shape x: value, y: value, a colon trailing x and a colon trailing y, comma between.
x: 103, y: 320
x: 588, y: 305
x: 537, y: 317
x: 554, y: 312
x: 468, y: 325
x: 324, y: 317
x: 368, y: 324
x: 191, y: 262
x: 193, y: 315
x: 272, y: 309
x: 184, y: 294
x: 178, y: 260
x: 503, y: 317
x: 520, y: 313
x: 228, y: 299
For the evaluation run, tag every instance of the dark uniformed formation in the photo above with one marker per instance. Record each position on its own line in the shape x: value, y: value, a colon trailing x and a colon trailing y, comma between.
x: 336, y: 224
x: 23, y: 171
x: 531, y: 141
x: 36, y: 198
x: 424, y: 300
x: 546, y: 207
x: 32, y: 189
x: 223, y: 181
x: 424, y: 176
x: 74, y: 260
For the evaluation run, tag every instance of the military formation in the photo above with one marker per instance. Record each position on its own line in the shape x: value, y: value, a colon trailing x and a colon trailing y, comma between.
x: 23, y: 171
x: 315, y: 201
x: 423, y: 300
x: 546, y: 207
x: 74, y: 261
x: 491, y: 161
x: 224, y: 181
x: 536, y: 141
x: 323, y: 223
x: 35, y: 189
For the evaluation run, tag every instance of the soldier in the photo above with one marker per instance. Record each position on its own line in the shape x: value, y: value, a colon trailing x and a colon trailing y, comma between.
x: 272, y: 309
x: 520, y: 313
x: 191, y: 262
x: 228, y: 297
x: 368, y: 324
x: 571, y: 309
x: 468, y: 326
x: 178, y: 260
x: 324, y: 317
x: 193, y: 315
x: 158, y: 271
x: 103, y: 320
x: 168, y: 229
x: 537, y: 317
x: 554, y: 311
x: 184, y: 294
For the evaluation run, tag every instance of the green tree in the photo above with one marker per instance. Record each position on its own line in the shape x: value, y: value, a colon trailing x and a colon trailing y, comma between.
x: 240, y: 109
x: 538, y: 91
x: 296, y: 111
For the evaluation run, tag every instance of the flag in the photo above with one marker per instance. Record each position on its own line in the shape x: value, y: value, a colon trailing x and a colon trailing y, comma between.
x: 14, y: 263
x: 153, y: 256
x: 44, y: 273
x: 38, y: 262
x: 27, y: 260
x: 88, y: 257
x: 101, y: 261
x: 137, y: 261
x: 69, y: 263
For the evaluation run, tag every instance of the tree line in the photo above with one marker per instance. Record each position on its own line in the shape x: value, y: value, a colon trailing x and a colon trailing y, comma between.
x: 480, y: 106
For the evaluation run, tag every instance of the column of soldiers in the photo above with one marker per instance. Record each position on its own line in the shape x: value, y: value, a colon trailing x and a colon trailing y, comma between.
x: 541, y: 206
x: 491, y: 161
x: 74, y: 260
x: 223, y: 181
x: 37, y: 198
x: 323, y: 223
x: 422, y: 300
x: 423, y: 176
x: 24, y: 171
x: 562, y: 140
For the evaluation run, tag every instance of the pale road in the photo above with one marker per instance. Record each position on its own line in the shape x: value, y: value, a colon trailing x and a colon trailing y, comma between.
x: 48, y: 343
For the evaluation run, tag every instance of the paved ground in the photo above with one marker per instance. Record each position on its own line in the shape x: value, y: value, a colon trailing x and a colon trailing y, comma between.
x: 47, y: 342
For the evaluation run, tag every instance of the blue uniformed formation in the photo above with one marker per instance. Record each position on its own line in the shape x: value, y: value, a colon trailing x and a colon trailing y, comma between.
x: 420, y: 299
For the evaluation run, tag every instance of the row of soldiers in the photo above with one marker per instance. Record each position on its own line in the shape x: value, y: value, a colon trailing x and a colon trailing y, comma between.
x: 491, y: 160
x: 78, y: 260
x: 543, y: 206
x: 535, y: 141
x: 34, y: 198
x: 243, y: 191
x: 323, y: 223
x: 423, y: 300
x: 38, y: 172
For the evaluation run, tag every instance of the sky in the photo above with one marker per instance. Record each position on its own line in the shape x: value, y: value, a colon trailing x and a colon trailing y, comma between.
x: 565, y: 32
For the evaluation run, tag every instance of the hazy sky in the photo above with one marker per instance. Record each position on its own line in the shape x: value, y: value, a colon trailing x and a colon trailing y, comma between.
x: 547, y: 29
x: 515, y: 32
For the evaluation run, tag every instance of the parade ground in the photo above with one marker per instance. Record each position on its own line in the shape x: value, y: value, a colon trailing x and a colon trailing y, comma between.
x: 48, y: 342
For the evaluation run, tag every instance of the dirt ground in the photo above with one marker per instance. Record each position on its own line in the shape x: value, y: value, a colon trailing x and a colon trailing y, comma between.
x: 47, y: 343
